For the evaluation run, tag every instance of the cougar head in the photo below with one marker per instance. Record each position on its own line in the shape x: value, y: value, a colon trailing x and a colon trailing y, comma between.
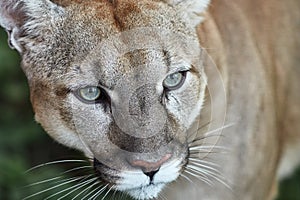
x: 120, y: 80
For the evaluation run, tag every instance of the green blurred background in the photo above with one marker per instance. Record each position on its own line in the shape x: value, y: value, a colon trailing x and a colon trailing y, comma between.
x: 23, y: 143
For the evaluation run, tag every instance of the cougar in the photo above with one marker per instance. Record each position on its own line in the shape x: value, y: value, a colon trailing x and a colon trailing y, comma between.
x: 168, y: 99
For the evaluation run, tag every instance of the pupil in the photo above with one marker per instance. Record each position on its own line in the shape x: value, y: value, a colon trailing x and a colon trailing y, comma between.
x: 174, y: 78
x: 90, y: 93
x: 173, y: 81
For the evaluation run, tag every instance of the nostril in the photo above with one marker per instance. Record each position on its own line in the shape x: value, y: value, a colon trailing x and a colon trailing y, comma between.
x: 151, y: 174
x: 150, y: 167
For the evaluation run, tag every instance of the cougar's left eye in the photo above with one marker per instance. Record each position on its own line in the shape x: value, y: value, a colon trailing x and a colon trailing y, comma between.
x: 89, y: 94
x: 174, y: 81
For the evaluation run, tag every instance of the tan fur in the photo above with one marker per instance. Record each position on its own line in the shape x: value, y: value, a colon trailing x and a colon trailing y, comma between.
x: 253, y: 46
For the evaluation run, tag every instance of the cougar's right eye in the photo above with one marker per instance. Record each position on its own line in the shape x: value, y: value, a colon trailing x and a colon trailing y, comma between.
x: 174, y: 81
x: 88, y: 94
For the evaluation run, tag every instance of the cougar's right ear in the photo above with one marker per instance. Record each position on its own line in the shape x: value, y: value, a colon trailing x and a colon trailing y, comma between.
x: 23, y: 18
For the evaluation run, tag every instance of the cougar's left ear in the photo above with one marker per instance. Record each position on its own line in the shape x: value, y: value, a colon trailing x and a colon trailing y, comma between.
x: 26, y: 18
x: 190, y: 9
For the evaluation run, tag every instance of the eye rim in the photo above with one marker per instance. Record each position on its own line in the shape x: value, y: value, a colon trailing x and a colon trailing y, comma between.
x: 79, y: 96
x: 179, y: 85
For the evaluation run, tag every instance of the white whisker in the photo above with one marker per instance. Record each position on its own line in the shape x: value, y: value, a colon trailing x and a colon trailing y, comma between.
x: 209, y: 152
x: 203, y: 162
x: 91, y: 192
x: 98, y: 193
x: 187, y: 178
x: 198, y: 171
x: 203, y: 137
x: 107, y: 193
x: 218, y: 177
x: 210, y: 133
x: 161, y: 196
x: 56, y: 162
x: 201, y: 146
x: 51, y: 188
x: 220, y: 129
x: 204, y: 166
x: 63, y: 191
x: 114, y: 194
x: 78, y: 186
x: 78, y: 168
x: 200, y: 177
x: 86, y: 189
x: 44, y: 181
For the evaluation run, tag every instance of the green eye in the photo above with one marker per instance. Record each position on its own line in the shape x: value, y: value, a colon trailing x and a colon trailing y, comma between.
x: 89, y: 94
x: 174, y: 81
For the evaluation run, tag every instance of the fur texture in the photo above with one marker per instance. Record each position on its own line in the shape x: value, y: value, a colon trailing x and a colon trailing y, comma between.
x: 142, y: 133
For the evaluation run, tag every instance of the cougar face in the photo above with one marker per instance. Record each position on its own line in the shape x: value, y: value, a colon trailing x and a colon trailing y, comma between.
x: 121, y: 81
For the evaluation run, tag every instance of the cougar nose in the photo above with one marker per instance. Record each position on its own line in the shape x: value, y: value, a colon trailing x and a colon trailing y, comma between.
x: 150, y: 168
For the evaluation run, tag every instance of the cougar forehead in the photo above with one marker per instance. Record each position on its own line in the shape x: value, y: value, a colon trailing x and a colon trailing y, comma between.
x: 76, y: 34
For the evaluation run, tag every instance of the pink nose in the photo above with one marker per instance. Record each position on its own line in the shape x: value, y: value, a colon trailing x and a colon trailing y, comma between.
x: 150, y: 166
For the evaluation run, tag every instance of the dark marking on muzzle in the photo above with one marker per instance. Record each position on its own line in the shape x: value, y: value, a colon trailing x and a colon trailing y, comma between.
x: 105, y: 173
x: 133, y: 144
x: 140, y: 104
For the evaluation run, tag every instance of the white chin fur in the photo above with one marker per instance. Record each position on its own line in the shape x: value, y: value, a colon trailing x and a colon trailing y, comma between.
x: 148, y: 192
x: 137, y: 184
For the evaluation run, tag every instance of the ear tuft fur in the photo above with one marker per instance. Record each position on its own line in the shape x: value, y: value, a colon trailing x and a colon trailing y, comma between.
x: 19, y: 15
x: 190, y: 9
x: 10, y: 17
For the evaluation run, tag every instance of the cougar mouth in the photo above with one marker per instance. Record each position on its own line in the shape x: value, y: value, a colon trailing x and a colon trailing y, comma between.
x: 136, y: 183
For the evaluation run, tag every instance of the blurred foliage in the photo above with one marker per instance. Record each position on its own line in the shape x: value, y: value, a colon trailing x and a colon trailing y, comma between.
x: 24, y: 144
x: 289, y: 188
